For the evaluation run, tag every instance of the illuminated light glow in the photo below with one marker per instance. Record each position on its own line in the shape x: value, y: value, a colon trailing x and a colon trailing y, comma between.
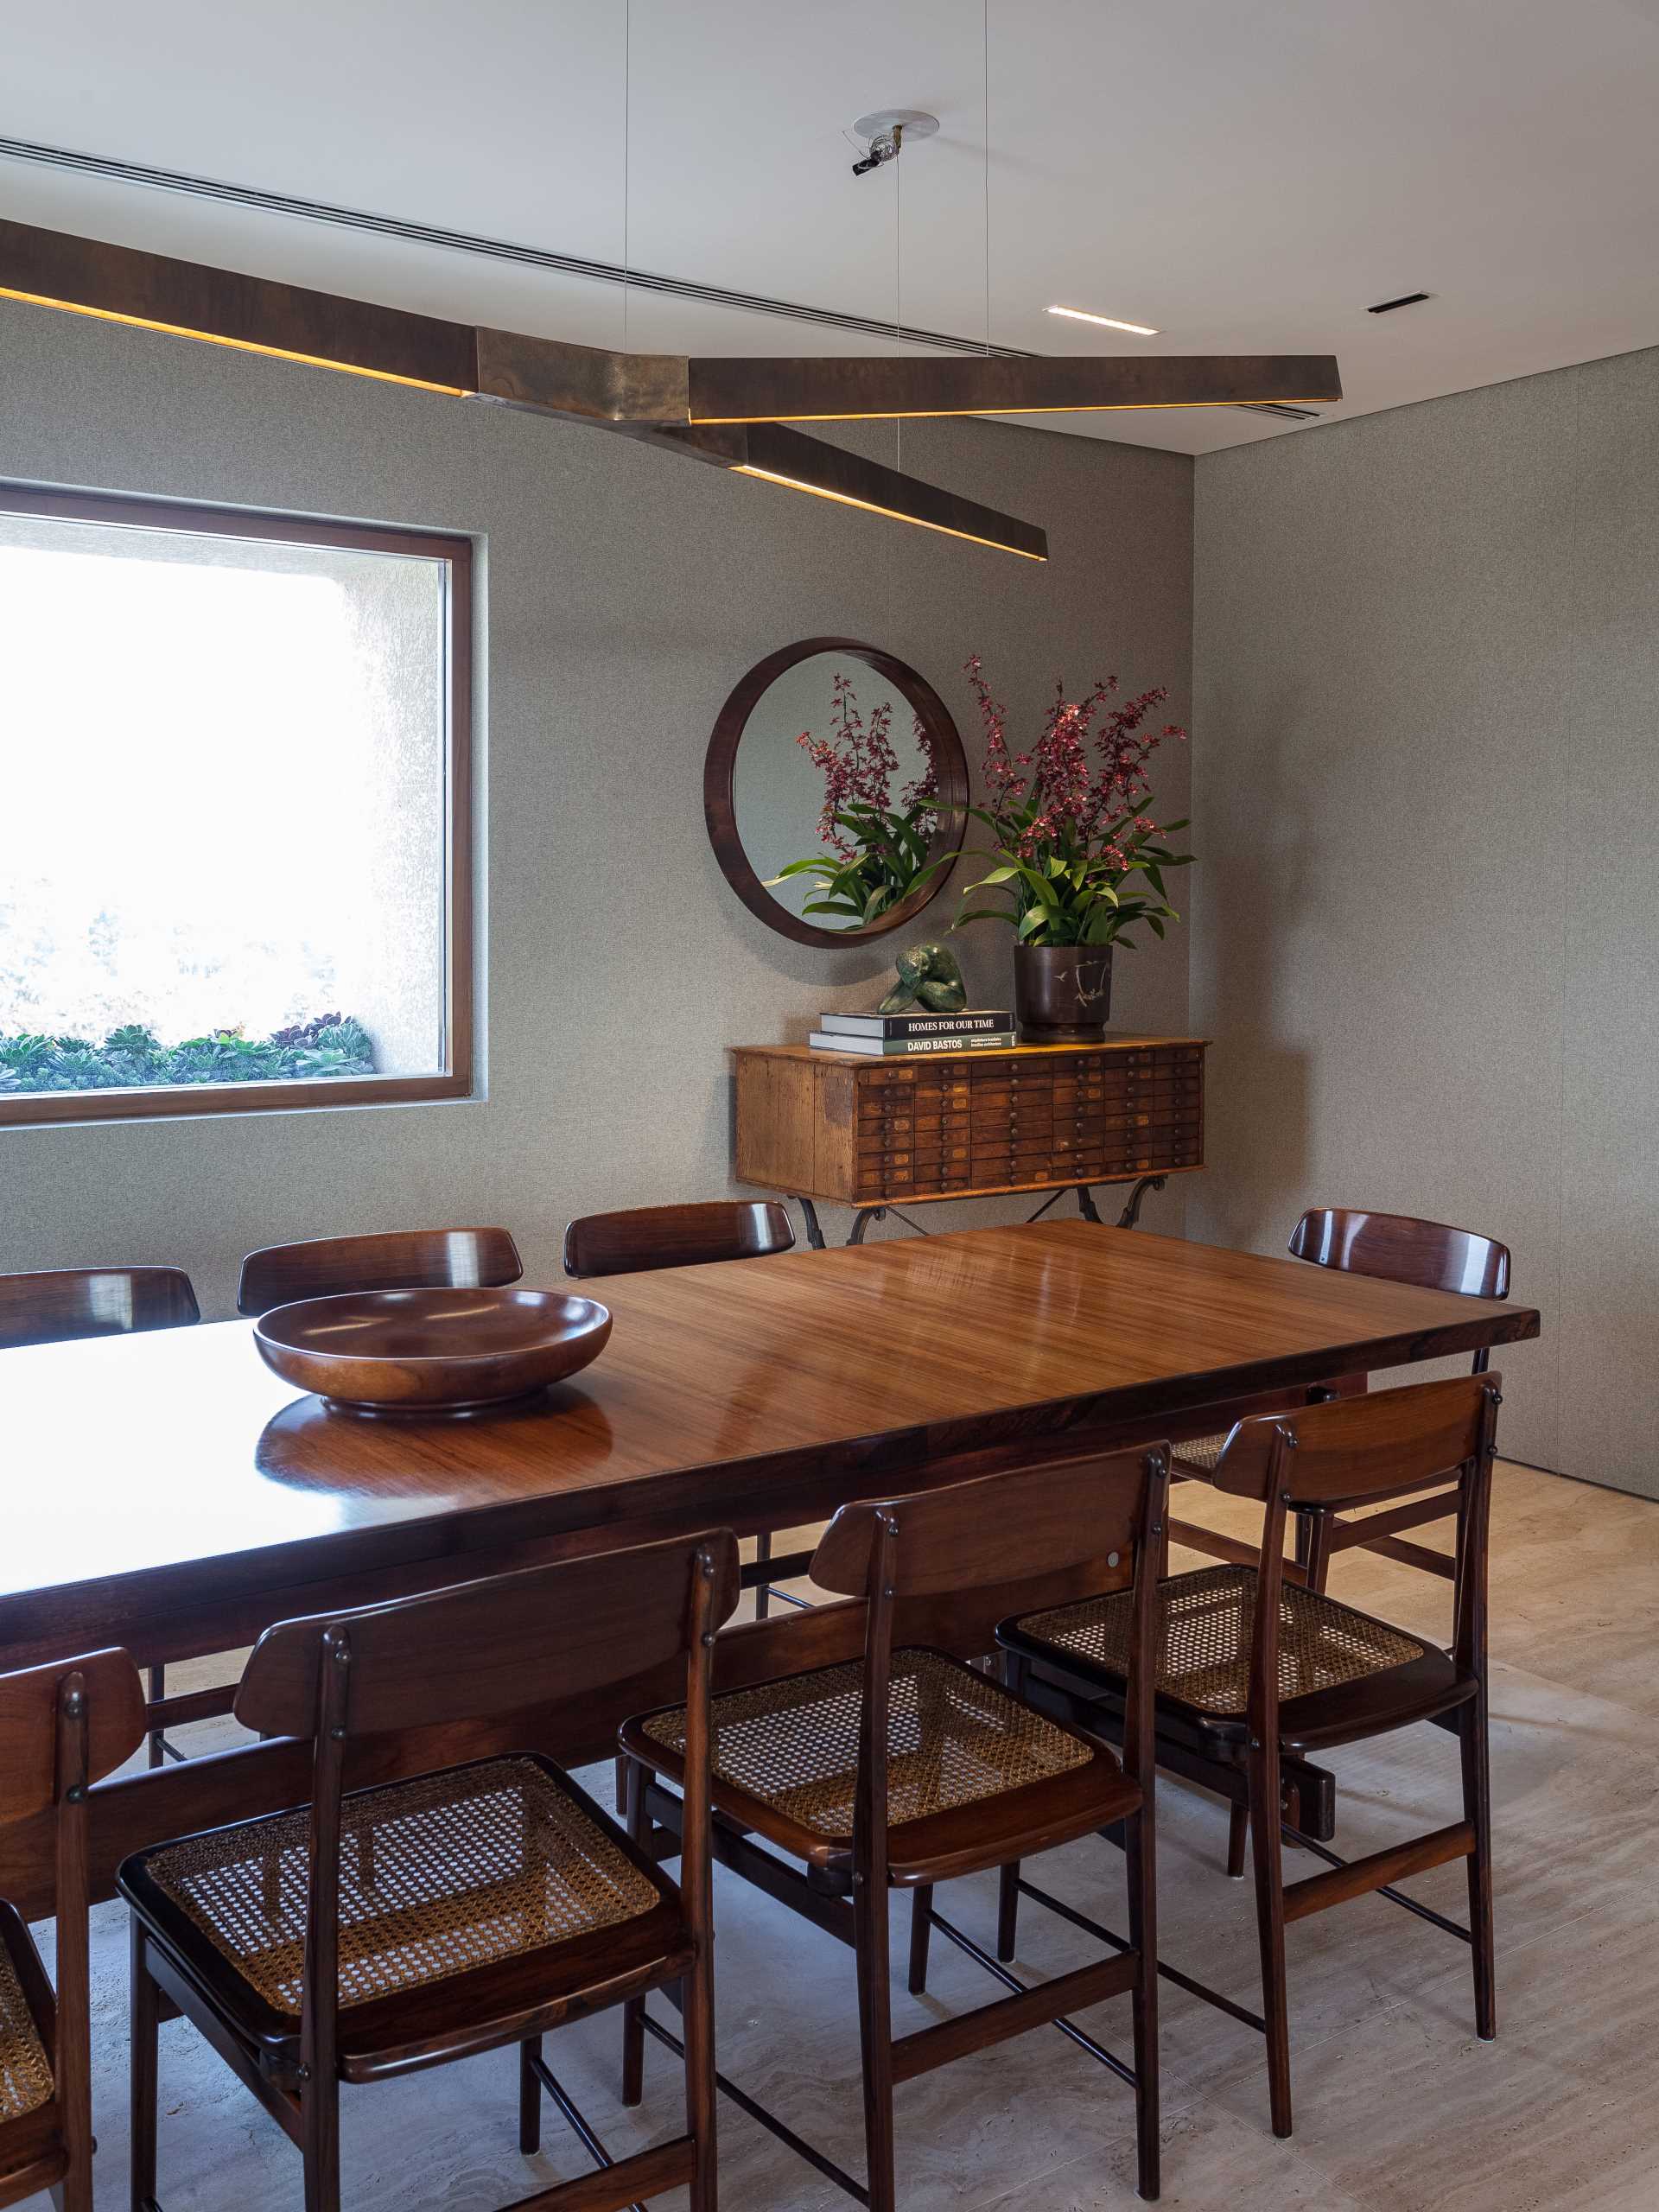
x: 1106, y: 321
x: 238, y: 345
x: 872, y: 507
x: 1025, y: 407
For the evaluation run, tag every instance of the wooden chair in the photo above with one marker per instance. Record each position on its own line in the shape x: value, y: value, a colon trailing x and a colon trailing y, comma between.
x: 59, y: 1304
x: 913, y: 1768
x: 1255, y: 1665
x: 640, y: 1238
x: 62, y: 1728
x: 408, y: 1259
x: 1393, y: 1248
x: 385, y: 1930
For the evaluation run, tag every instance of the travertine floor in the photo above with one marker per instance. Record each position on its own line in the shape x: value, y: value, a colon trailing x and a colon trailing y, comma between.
x: 1399, y: 2109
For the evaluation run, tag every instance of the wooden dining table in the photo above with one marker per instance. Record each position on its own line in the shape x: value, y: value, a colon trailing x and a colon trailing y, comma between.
x: 169, y: 1493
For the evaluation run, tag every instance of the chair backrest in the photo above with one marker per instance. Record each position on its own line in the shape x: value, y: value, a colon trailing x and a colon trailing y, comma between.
x: 62, y: 1728
x: 56, y: 1304
x: 113, y: 1710
x: 1104, y: 1513
x: 999, y: 1528
x: 1356, y: 1450
x: 490, y: 1646
x: 644, y: 1237
x: 494, y: 1646
x: 1397, y: 1248
x: 405, y: 1259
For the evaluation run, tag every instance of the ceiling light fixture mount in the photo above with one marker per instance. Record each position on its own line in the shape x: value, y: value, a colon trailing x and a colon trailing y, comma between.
x: 887, y: 132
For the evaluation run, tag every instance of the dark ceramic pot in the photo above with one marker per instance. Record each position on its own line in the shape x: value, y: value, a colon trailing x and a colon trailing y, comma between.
x: 1062, y: 993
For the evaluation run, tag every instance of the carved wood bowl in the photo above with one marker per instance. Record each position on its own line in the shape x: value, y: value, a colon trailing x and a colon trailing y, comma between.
x: 431, y: 1351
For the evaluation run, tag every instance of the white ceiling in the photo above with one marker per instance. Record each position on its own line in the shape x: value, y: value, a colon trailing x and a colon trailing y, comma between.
x: 1247, y: 174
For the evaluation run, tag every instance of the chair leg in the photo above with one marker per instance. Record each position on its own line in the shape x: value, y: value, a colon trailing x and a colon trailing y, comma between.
x: 1318, y: 1562
x: 157, y: 1689
x: 1238, y: 1825
x: 762, y: 1595
x: 697, y: 1993
x: 876, y: 2037
x: 320, y: 2146
x: 1008, y: 1910
x: 529, y: 2097
x: 633, y: 1779
x: 1477, y: 1811
x: 1015, y: 1673
x: 1143, y: 1935
x: 921, y: 1927
x: 144, y: 2005
x: 1270, y: 1929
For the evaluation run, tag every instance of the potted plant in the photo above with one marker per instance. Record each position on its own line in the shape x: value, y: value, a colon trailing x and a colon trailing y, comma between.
x: 876, y: 853
x: 1079, y: 856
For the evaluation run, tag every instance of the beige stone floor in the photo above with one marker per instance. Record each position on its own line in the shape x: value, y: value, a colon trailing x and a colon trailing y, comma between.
x: 1398, y: 2108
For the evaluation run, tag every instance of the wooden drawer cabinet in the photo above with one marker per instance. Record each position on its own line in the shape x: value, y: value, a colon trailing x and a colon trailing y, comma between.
x: 837, y: 1125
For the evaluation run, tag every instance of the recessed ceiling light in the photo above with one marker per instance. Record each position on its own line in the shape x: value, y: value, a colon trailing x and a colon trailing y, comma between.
x: 1107, y: 321
x: 1405, y: 300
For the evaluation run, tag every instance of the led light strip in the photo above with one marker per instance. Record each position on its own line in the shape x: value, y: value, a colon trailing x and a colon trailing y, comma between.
x: 236, y: 345
x: 870, y: 507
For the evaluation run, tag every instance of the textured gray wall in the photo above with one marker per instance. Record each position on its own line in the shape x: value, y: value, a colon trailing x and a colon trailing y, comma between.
x: 625, y: 592
x: 1426, y: 935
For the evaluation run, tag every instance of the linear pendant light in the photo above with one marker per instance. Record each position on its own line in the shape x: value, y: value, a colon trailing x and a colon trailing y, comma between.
x: 731, y: 412
x: 639, y: 388
x: 634, y: 393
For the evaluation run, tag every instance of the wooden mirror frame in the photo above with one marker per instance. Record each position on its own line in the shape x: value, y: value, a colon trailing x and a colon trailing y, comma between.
x: 720, y: 772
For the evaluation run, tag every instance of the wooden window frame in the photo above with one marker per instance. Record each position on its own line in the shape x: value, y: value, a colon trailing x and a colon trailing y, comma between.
x: 454, y: 1081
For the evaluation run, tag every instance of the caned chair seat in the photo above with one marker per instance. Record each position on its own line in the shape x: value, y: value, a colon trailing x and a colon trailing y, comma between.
x: 26, y: 2082
x: 483, y: 1877
x: 785, y: 1761
x: 1198, y: 1456
x: 1205, y: 1622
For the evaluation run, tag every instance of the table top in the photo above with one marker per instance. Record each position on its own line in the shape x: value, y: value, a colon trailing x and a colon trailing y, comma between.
x: 1112, y: 1042
x: 145, y: 1470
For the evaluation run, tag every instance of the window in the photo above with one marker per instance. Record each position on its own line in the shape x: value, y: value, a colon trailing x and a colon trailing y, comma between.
x: 234, y: 821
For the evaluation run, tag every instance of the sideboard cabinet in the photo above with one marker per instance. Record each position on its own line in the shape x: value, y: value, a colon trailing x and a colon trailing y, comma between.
x: 871, y: 1133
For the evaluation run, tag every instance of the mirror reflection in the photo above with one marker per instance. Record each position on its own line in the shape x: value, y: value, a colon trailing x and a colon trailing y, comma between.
x: 834, y: 791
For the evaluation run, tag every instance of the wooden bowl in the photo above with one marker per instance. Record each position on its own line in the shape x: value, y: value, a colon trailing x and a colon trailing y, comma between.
x: 431, y: 1351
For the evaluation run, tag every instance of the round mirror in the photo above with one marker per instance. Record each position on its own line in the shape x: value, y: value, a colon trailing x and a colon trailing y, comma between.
x: 835, y: 790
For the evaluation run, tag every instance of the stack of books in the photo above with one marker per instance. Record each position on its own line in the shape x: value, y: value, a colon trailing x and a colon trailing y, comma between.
x: 889, y: 1036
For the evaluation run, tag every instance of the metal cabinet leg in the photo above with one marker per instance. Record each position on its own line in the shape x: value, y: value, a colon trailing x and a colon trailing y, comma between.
x: 861, y: 1220
x: 809, y: 1216
x: 1131, y: 1213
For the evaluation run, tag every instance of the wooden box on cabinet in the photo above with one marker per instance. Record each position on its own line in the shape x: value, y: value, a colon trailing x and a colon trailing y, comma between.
x: 868, y: 1132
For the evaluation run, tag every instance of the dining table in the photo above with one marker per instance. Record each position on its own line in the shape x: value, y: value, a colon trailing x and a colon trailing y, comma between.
x: 168, y: 1492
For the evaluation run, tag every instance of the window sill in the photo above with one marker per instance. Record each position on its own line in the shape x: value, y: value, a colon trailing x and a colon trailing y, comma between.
x: 42, y: 1108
